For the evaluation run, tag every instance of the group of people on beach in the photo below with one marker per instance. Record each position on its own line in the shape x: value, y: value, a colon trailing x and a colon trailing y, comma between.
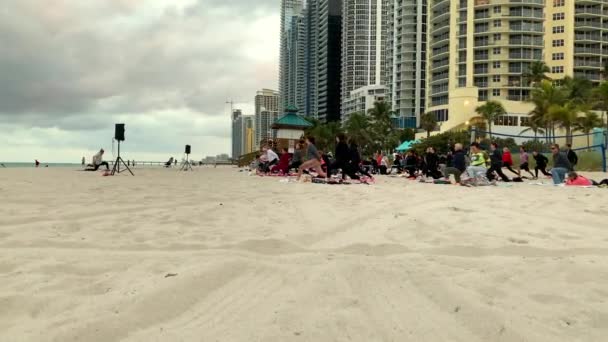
x: 466, y: 168
x: 306, y: 158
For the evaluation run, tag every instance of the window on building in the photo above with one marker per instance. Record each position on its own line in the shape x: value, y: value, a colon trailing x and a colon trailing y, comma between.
x: 497, y: 9
x: 495, y: 92
x: 497, y: 36
x: 497, y: 23
x: 496, y: 51
x: 496, y: 65
x: 559, y: 3
x: 558, y: 29
x: 462, y: 82
x: 496, y: 78
x: 557, y: 69
x: 558, y: 42
x: 557, y: 56
x: 482, y: 95
x: 506, y: 120
x: 559, y: 16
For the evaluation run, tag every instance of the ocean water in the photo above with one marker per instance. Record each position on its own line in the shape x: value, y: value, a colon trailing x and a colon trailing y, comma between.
x: 11, y: 165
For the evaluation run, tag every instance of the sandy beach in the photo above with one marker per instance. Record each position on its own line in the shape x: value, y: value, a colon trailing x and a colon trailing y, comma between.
x: 216, y: 255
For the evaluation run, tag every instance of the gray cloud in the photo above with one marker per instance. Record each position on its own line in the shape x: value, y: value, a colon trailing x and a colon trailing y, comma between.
x: 70, y: 60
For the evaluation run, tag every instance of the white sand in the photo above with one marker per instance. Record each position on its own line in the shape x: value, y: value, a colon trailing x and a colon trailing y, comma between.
x: 84, y: 258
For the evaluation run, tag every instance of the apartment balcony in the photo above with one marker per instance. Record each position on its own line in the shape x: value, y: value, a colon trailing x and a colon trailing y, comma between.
x: 528, y: 2
x: 588, y: 24
x: 586, y: 50
x: 519, y: 55
x: 588, y: 37
x: 589, y: 11
x: 440, y: 4
x: 441, y: 15
x: 440, y: 52
x: 587, y: 64
x: 481, y: 71
x: 527, y: 42
x: 442, y: 90
x: 526, y: 28
x: 525, y: 15
x: 441, y: 63
x: 440, y: 28
x: 590, y: 77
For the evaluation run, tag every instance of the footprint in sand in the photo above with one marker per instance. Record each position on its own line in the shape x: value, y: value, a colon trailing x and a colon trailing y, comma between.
x: 518, y: 241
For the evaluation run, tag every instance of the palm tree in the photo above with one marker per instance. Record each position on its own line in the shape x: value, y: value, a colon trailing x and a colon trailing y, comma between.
x: 490, y: 111
x: 587, y: 123
x: 566, y: 116
x: 428, y: 122
x: 381, y: 125
x: 536, y: 73
x: 543, y: 96
x: 357, y: 126
x: 600, y: 95
x: 577, y: 89
x: 535, y: 124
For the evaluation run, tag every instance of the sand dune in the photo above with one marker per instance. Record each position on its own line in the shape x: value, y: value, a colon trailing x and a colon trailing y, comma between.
x: 216, y: 255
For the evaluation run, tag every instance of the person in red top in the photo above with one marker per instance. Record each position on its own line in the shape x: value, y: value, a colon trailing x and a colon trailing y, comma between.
x: 577, y: 180
x: 283, y: 165
x: 507, y: 160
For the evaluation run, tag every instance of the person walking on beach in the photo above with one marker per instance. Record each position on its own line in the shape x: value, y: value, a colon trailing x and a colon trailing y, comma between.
x: 313, y: 160
x: 478, y: 161
x: 496, y: 164
x: 523, y: 161
x: 561, y: 165
x: 37, y: 163
x: 459, y: 164
x: 541, y: 164
x: 97, y: 161
x: 572, y: 157
x: 83, y: 161
x: 507, y: 160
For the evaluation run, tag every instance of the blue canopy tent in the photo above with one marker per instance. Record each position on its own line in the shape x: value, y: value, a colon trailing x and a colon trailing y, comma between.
x: 407, y: 145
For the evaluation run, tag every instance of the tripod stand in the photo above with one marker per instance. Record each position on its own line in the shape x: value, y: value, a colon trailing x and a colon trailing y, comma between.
x: 186, y: 164
x: 116, y: 168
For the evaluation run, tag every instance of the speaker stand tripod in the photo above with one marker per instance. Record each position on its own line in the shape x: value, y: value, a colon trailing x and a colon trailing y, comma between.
x: 186, y: 166
x: 116, y: 168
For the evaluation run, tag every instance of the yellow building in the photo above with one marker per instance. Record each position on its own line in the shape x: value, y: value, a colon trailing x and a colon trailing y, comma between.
x: 478, y: 49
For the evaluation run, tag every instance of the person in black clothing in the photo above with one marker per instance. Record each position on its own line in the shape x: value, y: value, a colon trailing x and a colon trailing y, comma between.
x: 342, y: 156
x: 355, y: 162
x: 410, y: 164
x: 572, y: 157
x: 541, y: 164
x: 459, y: 164
x: 431, y: 164
x: 496, y: 164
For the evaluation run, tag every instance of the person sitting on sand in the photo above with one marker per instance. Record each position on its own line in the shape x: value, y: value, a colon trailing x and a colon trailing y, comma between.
x: 355, y: 164
x: 575, y: 179
x: 270, y: 159
x: 313, y: 160
x: 283, y: 165
x: 523, y: 161
x: 169, y: 163
x: 561, y: 165
x: 572, y: 157
x: 342, y: 155
x: 410, y: 164
x: 431, y: 162
x: 459, y: 164
x: 97, y: 161
x: 298, y: 155
x: 478, y: 161
x: 541, y: 164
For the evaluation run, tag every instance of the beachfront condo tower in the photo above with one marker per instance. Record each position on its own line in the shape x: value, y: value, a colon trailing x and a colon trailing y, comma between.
x: 363, y: 52
x: 406, y: 53
x: 237, y: 133
x: 479, y: 50
x: 292, y: 63
x: 266, y: 113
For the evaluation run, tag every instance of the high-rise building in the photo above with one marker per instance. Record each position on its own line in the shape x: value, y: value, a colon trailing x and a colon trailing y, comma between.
x: 364, y: 28
x: 248, y: 139
x: 293, y: 36
x: 266, y: 113
x: 237, y: 133
x: 326, y: 16
x: 406, y: 52
x: 362, y: 99
x: 477, y: 51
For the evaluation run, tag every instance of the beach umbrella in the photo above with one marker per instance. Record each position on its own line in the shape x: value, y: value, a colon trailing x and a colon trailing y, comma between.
x: 406, y: 145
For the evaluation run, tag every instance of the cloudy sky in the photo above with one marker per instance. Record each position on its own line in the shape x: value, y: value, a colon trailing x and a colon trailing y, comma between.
x: 70, y: 69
